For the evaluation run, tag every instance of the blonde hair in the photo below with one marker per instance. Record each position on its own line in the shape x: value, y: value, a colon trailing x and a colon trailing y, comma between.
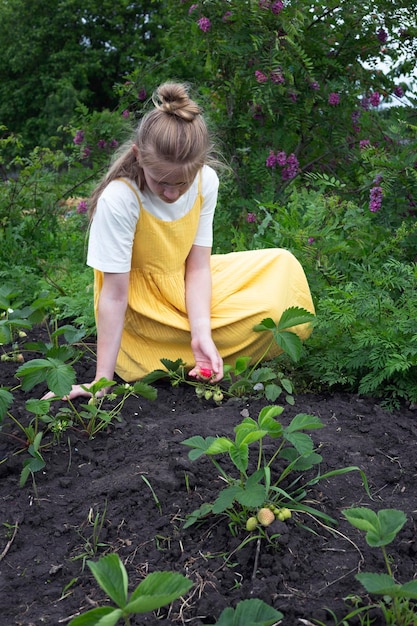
x: 173, y: 133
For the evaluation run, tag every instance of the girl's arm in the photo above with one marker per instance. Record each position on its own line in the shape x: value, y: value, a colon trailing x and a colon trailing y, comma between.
x: 110, y: 319
x: 198, y: 303
x: 111, y: 314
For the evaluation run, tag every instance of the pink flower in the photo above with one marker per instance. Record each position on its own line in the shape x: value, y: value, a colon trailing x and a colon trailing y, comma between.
x: 251, y: 217
x: 142, y: 94
x: 204, y: 24
x: 86, y: 152
x: 226, y: 16
x: 79, y: 137
x: 281, y: 158
x: 126, y: 114
x: 382, y: 35
x: 264, y: 4
x: 260, y: 77
x: 192, y: 8
x: 101, y: 144
x: 291, y: 169
x: 375, y: 199
x: 271, y: 159
x: 310, y: 240
x: 277, y: 7
x: 277, y: 77
x: 363, y: 143
x: 399, y: 91
x: 314, y: 85
x: 334, y: 99
x: 82, y: 207
x: 374, y: 99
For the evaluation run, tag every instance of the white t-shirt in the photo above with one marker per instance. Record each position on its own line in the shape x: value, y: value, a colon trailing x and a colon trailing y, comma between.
x: 114, y: 223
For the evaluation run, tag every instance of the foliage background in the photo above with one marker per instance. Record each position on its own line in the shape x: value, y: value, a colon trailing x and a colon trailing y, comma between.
x: 312, y: 107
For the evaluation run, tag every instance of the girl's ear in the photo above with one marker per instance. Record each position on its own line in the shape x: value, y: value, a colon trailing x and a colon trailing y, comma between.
x: 135, y: 151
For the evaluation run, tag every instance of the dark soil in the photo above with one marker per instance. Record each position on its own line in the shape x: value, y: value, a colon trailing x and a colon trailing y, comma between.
x: 310, y: 569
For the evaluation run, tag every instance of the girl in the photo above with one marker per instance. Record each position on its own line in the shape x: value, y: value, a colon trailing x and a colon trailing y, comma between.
x: 159, y: 293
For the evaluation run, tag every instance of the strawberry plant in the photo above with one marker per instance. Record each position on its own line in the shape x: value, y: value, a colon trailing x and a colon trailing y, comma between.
x: 398, y: 600
x: 268, y: 488
x: 155, y: 591
x: 244, y: 379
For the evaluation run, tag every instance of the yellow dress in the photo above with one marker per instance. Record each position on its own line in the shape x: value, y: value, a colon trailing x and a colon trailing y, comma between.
x: 246, y: 288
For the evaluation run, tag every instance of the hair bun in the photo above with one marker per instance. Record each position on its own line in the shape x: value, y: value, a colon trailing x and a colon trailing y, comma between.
x: 173, y: 99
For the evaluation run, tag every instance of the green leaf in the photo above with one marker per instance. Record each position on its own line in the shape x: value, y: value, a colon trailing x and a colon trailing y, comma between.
x: 111, y: 575
x: 38, y: 407
x: 220, y: 445
x: 226, y: 498
x: 303, y: 421
x: 173, y: 366
x: 381, y: 584
x: 248, y: 435
x: 6, y: 399
x: 144, y: 390
x: 5, y: 335
x: 301, y: 442
x: 390, y: 523
x: 269, y: 412
x: 154, y: 376
x: 300, y: 463
x: 252, y: 495
x: 59, y: 376
x: 241, y: 365
x: 200, y: 445
x: 267, y: 422
x: 240, y: 457
x: 102, y: 616
x: 293, y: 316
x: 204, y: 510
x: 71, y: 333
x: 272, y: 392
x: 290, y: 343
x: 157, y: 590
x: 266, y: 324
x: 253, y: 612
x: 381, y: 528
x: 30, y: 466
x: 263, y: 375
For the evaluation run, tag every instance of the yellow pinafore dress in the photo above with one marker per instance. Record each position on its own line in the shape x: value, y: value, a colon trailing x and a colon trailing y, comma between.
x: 246, y: 288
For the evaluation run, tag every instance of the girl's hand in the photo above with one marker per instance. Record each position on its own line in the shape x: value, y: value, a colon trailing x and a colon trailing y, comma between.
x: 77, y: 391
x: 208, y: 362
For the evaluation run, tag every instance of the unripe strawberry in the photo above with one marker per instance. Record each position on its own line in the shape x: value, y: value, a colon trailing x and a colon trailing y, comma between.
x: 251, y: 523
x: 265, y: 516
x: 19, y: 358
x: 22, y: 334
x: 199, y: 391
x: 217, y: 396
x: 208, y: 394
x: 286, y: 513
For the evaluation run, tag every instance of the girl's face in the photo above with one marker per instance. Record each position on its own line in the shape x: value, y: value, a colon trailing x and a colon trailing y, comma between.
x: 168, y: 185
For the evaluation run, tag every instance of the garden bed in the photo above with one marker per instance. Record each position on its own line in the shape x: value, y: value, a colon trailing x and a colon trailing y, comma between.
x: 136, y: 480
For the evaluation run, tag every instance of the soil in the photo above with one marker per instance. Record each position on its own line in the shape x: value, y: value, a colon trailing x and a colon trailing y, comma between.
x: 137, y: 479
